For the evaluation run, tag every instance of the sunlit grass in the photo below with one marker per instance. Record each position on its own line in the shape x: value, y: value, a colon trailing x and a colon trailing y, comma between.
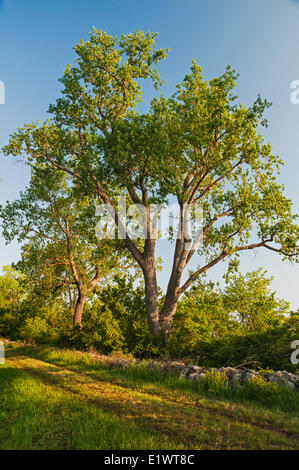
x: 54, y: 399
x: 256, y: 393
x: 36, y: 416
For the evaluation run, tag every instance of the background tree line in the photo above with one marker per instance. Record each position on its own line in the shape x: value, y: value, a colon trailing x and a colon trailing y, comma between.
x: 242, y: 323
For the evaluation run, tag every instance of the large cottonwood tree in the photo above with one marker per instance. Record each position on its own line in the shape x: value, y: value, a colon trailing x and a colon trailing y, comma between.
x: 198, y: 146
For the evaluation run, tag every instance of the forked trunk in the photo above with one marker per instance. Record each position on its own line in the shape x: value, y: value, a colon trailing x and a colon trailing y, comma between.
x: 171, y: 299
x: 159, y: 321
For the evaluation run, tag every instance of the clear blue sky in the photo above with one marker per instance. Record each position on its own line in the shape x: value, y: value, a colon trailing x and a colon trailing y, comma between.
x: 259, y: 38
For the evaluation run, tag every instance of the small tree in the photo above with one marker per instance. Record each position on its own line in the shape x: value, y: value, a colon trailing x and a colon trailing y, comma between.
x: 198, y: 146
x: 249, y: 298
x: 35, y: 329
x: 11, y: 295
x: 61, y: 254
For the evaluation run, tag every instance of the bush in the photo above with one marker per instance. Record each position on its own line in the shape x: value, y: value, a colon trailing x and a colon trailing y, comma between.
x: 266, y: 349
x: 35, y: 329
x: 100, y: 330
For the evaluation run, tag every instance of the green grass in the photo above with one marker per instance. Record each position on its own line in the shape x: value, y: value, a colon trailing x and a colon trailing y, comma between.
x: 256, y: 393
x: 35, y: 416
x: 62, y: 400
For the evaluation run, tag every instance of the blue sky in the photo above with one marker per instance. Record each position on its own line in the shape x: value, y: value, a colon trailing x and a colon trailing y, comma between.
x: 259, y: 38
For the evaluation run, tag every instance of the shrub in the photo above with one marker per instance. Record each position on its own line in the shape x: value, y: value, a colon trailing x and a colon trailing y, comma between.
x: 35, y: 329
x: 100, y: 330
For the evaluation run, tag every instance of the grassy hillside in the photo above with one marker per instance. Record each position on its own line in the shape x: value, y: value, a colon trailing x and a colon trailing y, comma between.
x: 62, y: 400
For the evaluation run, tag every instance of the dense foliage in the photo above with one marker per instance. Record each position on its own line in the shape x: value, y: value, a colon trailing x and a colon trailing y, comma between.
x: 207, y: 328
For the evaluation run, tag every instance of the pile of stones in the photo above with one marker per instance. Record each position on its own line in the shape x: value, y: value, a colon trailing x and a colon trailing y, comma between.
x: 234, y: 375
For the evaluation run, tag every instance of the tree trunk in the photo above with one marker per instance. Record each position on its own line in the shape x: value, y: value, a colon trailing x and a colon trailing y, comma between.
x: 77, y: 318
x: 151, y: 300
x: 166, y: 317
x: 160, y: 322
x: 173, y: 290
